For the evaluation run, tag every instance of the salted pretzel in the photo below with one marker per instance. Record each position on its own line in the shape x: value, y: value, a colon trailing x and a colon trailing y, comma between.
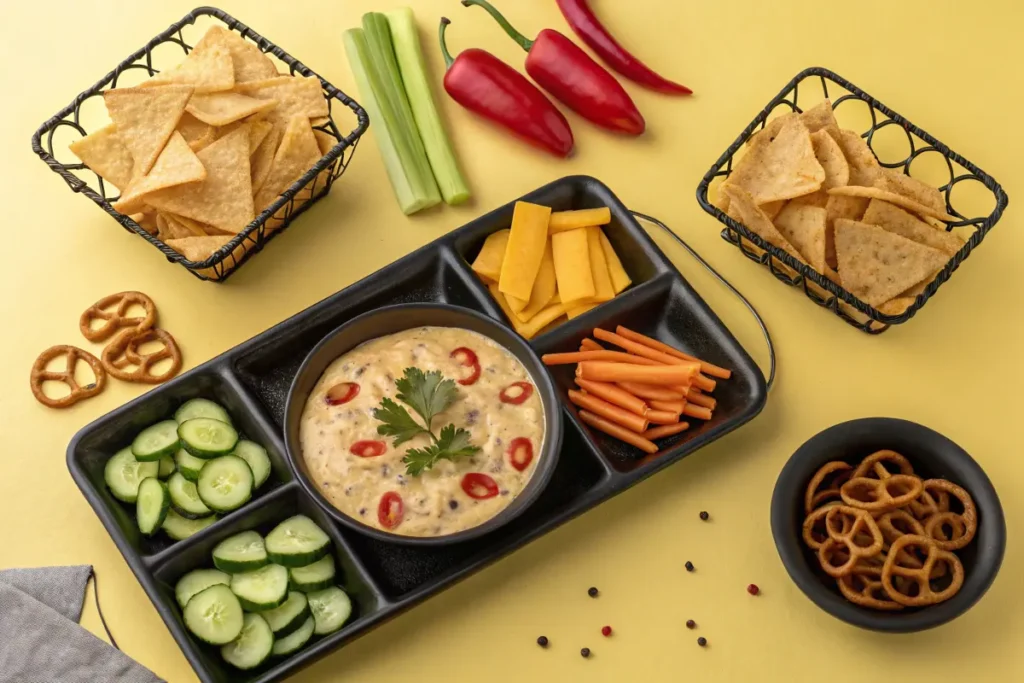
x: 814, y: 531
x: 848, y: 536
x: 813, y: 497
x: 116, y: 318
x: 922, y: 576
x: 122, y: 358
x: 78, y: 393
x: 863, y: 586
x: 872, y: 465
x: 963, y: 526
x: 881, y: 495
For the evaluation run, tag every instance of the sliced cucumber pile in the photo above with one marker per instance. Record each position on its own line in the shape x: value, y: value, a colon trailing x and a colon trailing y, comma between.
x: 266, y: 607
x: 199, y: 439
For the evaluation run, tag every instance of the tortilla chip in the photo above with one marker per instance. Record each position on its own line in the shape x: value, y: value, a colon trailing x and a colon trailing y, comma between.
x: 782, y: 169
x: 837, y: 206
x: 892, y: 198
x: 263, y: 157
x: 147, y: 221
x: 863, y: 164
x: 294, y: 95
x: 258, y: 132
x: 818, y: 199
x: 222, y: 108
x: 803, y: 226
x: 319, y: 121
x: 105, y: 154
x: 196, y: 133
x: 771, y: 129
x: 198, y: 249
x: 325, y: 141
x: 171, y: 229
x: 900, y: 222
x: 756, y: 220
x: 208, y: 67
x: 820, y: 117
x: 911, y: 188
x: 830, y: 155
x: 247, y: 60
x: 176, y: 165
x: 771, y: 209
x: 224, y: 199
x: 875, y: 265
x: 296, y: 155
x: 145, y: 119
x: 897, y: 306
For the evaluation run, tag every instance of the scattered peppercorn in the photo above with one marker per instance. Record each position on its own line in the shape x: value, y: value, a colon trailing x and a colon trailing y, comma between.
x: 753, y: 589
x: 690, y: 623
x: 606, y: 631
x: 592, y: 592
x: 702, y: 641
x: 689, y: 566
x: 542, y: 641
x: 585, y: 652
x: 704, y: 515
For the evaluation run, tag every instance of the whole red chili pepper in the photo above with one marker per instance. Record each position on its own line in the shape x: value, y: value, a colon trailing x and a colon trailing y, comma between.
x: 484, y: 84
x: 563, y: 69
x: 589, y: 28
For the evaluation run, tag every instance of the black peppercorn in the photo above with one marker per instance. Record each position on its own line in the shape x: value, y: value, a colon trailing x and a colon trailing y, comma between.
x: 704, y: 515
x: 689, y: 566
x: 592, y: 592
x: 585, y: 652
x: 702, y: 641
x: 690, y: 623
x: 542, y: 641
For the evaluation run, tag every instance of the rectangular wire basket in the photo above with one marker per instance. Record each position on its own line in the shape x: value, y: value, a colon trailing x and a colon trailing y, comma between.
x: 978, y: 207
x: 314, y: 184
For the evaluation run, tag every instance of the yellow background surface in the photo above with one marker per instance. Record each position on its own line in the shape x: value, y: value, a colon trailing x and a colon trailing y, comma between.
x: 952, y: 67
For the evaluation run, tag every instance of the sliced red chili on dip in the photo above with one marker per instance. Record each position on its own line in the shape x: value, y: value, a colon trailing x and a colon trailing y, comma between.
x: 368, y: 449
x: 341, y: 393
x: 516, y: 393
x: 520, y: 453
x: 479, y: 486
x: 390, y: 510
x: 467, y: 358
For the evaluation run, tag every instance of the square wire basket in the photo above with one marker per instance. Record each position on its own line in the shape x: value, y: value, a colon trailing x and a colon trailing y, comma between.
x: 876, y: 117
x: 313, y: 185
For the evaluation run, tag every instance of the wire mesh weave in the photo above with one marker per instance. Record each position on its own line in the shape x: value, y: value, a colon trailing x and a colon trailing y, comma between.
x: 817, y: 287
x: 303, y: 193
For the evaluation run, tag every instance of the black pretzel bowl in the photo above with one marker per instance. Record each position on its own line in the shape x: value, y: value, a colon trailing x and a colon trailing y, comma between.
x: 383, y: 577
x: 932, y: 455
x: 822, y: 83
x: 150, y: 59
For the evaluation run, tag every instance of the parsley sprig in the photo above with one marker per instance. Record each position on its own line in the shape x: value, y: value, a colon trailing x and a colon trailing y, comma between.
x: 428, y: 394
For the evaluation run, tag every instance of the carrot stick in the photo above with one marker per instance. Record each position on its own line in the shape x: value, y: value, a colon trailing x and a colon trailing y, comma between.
x: 608, y: 411
x: 589, y: 344
x: 666, y: 430
x: 579, y: 357
x: 662, y: 417
x: 650, y: 391
x: 635, y: 348
x: 699, y: 412
x: 669, y: 406
x: 704, y: 383
x: 709, y: 368
x: 603, y: 371
x: 614, y: 430
x: 700, y: 399
x: 614, y: 394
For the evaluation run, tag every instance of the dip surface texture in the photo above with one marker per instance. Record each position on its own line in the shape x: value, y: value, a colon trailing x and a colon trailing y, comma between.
x: 434, y: 503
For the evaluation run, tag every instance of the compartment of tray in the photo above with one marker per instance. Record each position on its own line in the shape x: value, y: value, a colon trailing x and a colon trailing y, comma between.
x: 89, y: 452
x: 195, y: 553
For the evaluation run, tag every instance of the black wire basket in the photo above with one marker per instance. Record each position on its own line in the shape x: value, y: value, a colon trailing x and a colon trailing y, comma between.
x: 882, y: 127
x: 316, y: 182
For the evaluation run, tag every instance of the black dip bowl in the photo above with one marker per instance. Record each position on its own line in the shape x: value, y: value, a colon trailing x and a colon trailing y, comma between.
x: 933, y: 456
x: 392, y: 319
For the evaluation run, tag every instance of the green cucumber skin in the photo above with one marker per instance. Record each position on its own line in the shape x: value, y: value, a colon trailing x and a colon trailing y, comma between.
x: 322, y: 628
x: 213, y: 578
x: 298, y: 560
x: 206, y: 453
x: 235, y: 607
x: 239, y: 582
x: 179, y: 528
x: 167, y: 466
x: 153, y: 456
x: 254, y: 621
x: 281, y: 537
x: 295, y: 622
x: 258, y: 606
x: 214, y: 505
x: 165, y: 504
x: 143, y: 471
x: 234, y: 566
x: 311, y: 587
x: 294, y: 642
x: 201, y: 407
x: 186, y: 463
x: 296, y: 582
x: 190, y: 515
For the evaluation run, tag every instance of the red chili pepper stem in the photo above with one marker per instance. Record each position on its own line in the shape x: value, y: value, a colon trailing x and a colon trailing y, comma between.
x: 448, y: 60
x: 523, y: 41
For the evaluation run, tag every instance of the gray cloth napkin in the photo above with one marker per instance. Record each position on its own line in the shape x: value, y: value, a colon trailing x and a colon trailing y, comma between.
x: 40, y: 639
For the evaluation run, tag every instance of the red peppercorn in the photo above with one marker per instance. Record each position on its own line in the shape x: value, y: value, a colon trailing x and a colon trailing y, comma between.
x: 606, y: 631
x: 753, y: 589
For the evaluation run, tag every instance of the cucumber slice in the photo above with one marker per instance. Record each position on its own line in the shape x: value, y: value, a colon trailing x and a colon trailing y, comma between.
x: 313, y: 577
x: 296, y: 542
x: 185, y: 498
x: 200, y: 407
x: 242, y: 552
x: 214, y: 615
x: 188, y: 464
x: 152, y: 505
x: 123, y: 474
x: 196, y: 582
x: 253, y: 645
x: 154, y: 442
x: 179, y: 528
x: 331, y: 609
x: 289, y: 644
x: 290, y: 616
x: 225, y: 484
x: 205, y: 437
x: 261, y: 589
x: 256, y: 456
x: 167, y: 466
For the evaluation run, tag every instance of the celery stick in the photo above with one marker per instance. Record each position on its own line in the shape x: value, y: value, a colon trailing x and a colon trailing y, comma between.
x: 408, y: 190
x: 417, y: 86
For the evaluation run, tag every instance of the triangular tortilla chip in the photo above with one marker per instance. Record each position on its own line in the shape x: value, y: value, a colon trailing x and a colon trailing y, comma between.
x: 772, y: 209
x: 864, y: 166
x: 248, y: 62
x: 756, y: 220
x: 198, y: 249
x: 258, y: 132
x: 106, y: 155
x: 325, y: 141
x: 147, y: 221
x: 836, y: 207
x: 294, y: 95
x: 898, y: 221
x: 830, y: 155
x: 876, y: 265
x: 819, y: 117
x: 196, y: 133
x: 803, y: 226
x: 208, y: 67
x: 818, y: 199
x: 145, y: 119
x: 892, y: 198
x: 222, y: 108
x: 911, y: 188
x: 296, y: 155
x: 176, y: 165
x: 263, y: 157
x: 782, y: 169
x: 170, y: 229
x: 224, y: 199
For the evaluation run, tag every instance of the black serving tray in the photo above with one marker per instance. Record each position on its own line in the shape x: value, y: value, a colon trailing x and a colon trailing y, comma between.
x: 384, y: 579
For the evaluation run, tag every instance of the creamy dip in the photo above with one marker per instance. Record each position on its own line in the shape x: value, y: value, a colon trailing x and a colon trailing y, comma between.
x: 435, y: 503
